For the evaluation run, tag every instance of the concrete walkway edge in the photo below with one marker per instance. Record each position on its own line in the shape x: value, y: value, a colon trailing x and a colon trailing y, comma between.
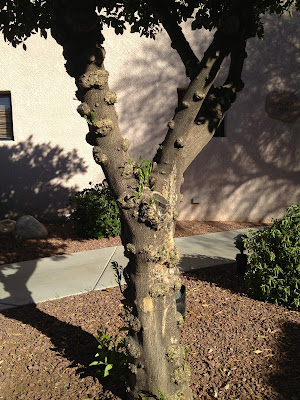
x: 70, y: 274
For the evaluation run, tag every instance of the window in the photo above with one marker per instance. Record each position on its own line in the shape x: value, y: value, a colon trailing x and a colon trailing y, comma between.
x: 6, y: 126
x: 220, y: 131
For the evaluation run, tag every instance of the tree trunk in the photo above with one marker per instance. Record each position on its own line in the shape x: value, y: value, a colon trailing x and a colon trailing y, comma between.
x: 158, y: 361
x: 148, y: 195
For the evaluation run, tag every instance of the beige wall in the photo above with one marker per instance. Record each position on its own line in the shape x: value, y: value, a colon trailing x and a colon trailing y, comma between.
x: 252, y: 174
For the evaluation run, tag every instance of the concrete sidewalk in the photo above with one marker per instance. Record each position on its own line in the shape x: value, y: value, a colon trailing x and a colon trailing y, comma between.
x: 54, y: 277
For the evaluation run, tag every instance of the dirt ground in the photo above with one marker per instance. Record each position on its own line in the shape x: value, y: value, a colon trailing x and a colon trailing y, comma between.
x: 239, y: 348
x: 62, y: 239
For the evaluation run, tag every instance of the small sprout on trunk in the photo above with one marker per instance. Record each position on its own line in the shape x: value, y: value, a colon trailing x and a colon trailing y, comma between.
x: 104, y: 126
x: 133, y: 368
x: 83, y: 109
x: 171, y: 124
x: 91, y: 58
x: 98, y: 78
x: 135, y: 214
x: 198, y: 96
x: 132, y: 347
x: 93, y: 120
x: 181, y: 374
x: 134, y: 323
x: 128, y: 167
x: 185, y: 104
x: 179, y: 143
x: 131, y: 248
x: 125, y: 144
x: 99, y: 156
x: 179, y: 395
x: 177, y: 283
x: 149, y: 215
x: 179, y: 318
x: 159, y: 289
x: 176, y: 354
x: 110, y: 98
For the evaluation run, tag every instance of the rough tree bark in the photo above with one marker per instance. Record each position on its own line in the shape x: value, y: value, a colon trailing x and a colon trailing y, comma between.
x: 148, y: 213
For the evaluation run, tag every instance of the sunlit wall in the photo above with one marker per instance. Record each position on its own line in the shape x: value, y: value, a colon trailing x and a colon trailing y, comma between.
x: 251, y: 174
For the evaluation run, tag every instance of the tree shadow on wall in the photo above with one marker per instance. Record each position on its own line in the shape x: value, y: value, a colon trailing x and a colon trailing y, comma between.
x: 254, y: 167
x: 147, y: 95
x: 33, y: 178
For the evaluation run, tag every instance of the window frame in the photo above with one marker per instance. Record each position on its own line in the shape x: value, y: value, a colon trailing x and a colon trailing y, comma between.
x: 10, y: 137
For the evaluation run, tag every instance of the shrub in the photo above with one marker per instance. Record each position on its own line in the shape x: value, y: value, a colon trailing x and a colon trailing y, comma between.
x: 273, y: 271
x: 95, y: 213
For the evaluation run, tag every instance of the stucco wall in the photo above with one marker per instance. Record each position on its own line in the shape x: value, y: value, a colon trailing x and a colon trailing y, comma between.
x: 252, y: 174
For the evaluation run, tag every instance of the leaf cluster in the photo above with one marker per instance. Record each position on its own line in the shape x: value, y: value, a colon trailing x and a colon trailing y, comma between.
x: 19, y: 19
x: 273, y: 272
x: 142, y: 174
x: 95, y: 213
x: 111, y: 357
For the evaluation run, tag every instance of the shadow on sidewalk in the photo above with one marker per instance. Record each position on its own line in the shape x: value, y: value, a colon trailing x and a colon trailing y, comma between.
x: 69, y: 341
x: 224, y: 274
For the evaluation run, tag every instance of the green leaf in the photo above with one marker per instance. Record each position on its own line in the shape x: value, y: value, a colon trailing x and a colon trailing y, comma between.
x: 107, y: 369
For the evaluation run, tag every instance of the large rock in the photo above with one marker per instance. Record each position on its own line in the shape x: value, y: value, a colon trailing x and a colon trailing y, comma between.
x: 7, y: 226
x: 27, y: 227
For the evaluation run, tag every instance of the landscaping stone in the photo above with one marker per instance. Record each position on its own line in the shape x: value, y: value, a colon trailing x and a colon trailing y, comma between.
x: 7, y: 226
x: 27, y: 227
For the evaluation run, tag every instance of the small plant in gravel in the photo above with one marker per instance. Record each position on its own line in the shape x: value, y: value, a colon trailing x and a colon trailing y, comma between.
x: 273, y: 271
x: 111, y: 358
x: 95, y: 213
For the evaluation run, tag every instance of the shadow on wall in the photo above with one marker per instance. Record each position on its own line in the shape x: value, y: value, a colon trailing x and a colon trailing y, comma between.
x: 32, y: 176
x: 147, y: 95
x: 252, y: 173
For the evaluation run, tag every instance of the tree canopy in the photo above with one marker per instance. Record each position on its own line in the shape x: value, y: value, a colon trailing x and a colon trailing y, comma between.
x: 19, y: 19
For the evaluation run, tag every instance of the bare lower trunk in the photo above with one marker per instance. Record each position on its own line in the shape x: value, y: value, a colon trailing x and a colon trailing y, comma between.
x: 158, y: 362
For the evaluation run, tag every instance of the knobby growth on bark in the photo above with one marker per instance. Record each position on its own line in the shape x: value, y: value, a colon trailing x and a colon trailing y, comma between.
x: 148, y: 195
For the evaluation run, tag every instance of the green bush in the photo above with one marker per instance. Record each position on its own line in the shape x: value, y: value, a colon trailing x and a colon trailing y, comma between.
x: 95, y: 213
x: 273, y: 271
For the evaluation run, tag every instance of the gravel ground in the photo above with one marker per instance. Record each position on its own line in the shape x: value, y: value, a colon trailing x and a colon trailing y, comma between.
x: 239, y: 348
x: 62, y: 239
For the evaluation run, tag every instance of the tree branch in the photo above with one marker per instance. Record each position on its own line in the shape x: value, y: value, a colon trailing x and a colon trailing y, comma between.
x: 77, y: 29
x: 187, y: 135
x: 220, y: 99
x: 178, y: 40
x: 237, y: 58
